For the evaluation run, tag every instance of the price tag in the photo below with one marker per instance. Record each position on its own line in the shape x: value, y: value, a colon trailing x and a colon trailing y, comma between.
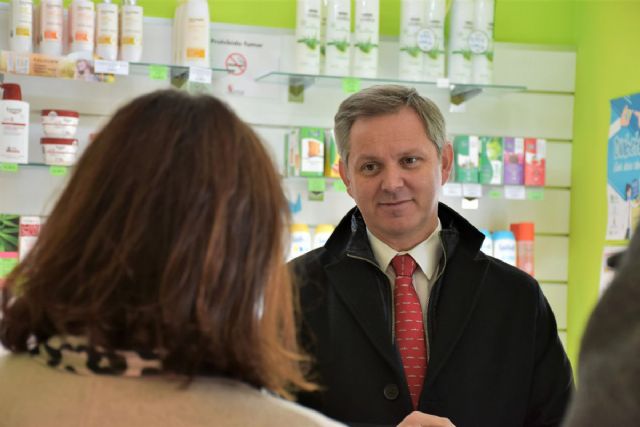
x: 200, y: 75
x: 350, y: 85
x: 495, y: 193
x: 470, y: 203
x: 471, y: 190
x: 514, y: 192
x: 535, y: 193
x: 452, y: 189
x: 339, y: 186
x: 442, y: 83
x: 158, y: 72
x: 58, y: 170
x: 9, y: 167
x: 120, y: 68
x: 317, y: 185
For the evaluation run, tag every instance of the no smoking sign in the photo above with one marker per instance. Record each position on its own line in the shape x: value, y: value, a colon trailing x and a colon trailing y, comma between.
x: 236, y: 64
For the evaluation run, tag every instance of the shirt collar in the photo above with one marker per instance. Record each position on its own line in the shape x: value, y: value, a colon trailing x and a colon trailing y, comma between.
x: 426, y: 253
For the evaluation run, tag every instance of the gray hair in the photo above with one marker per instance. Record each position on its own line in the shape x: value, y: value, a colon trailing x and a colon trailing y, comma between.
x: 387, y: 99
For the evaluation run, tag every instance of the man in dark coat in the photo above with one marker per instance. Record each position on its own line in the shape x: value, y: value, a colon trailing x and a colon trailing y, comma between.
x: 493, y: 356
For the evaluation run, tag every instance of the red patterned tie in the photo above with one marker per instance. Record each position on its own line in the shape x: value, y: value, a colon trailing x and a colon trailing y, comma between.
x: 409, y: 326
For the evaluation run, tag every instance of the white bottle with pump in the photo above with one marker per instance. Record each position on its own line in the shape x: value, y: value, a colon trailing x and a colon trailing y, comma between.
x: 82, y: 16
x: 481, y: 42
x: 410, y: 55
x: 307, y: 36
x: 131, y: 29
x: 107, y: 30
x: 366, y: 38
x: 338, y: 38
x: 21, y: 26
x: 14, y: 125
x: 461, y: 26
x: 193, y: 34
x: 51, y: 28
x: 432, y: 38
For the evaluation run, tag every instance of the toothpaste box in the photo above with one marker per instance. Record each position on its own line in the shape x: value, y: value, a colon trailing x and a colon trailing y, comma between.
x: 535, y: 161
x: 513, y: 161
x: 28, y: 234
x: 466, y: 151
x: 305, y: 152
x: 490, y: 166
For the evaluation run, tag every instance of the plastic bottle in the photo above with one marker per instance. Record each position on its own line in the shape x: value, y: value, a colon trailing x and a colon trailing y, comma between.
x: 82, y: 26
x: 525, y: 234
x: 487, y: 243
x: 431, y: 40
x: 481, y: 42
x: 504, y: 246
x: 366, y: 38
x: 322, y: 234
x: 14, y: 125
x: 461, y: 26
x: 194, y: 38
x: 107, y: 30
x: 300, y: 240
x: 410, y: 56
x: 338, y: 38
x: 51, y: 28
x: 21, y: 26
x: 131, y: 23
x: 307, y: 37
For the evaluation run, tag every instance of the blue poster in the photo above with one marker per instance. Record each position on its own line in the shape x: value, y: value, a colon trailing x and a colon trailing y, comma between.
x: 623, y: 167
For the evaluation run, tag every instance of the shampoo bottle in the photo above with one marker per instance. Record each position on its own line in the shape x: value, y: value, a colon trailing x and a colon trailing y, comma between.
x: 82, y: 26
x: 461, y: 25
x: 481, y: 42
x: 21, y: 26
x: 307, y: 37
x: 194, y: 34
x: 366, y: 38
x: 107, y: 30
x: 338, y: 38
x: 431, y: 40
x: 14, y: 125
x: 131, y: 19
x: 50, y: 30
x: 410, y: 56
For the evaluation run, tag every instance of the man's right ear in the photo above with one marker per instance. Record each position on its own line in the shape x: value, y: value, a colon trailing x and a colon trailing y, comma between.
x: 344, y: 174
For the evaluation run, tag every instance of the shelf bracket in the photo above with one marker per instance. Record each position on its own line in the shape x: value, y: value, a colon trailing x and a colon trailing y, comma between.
x: 459, y: 94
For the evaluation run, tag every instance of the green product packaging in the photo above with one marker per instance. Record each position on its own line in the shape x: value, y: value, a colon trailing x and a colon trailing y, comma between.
x: 331, y: 156
x: 466, y: 149
x: 490, y: 160
x: 311, y: 149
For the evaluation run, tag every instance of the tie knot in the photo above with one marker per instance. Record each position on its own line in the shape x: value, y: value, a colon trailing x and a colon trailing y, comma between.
x: 404, y: 265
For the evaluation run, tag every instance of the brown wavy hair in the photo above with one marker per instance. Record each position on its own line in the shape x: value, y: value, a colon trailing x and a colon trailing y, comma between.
x: 169, y: 236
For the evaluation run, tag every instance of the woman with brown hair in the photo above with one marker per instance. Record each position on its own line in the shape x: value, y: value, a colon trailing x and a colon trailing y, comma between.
x: 162, y: 262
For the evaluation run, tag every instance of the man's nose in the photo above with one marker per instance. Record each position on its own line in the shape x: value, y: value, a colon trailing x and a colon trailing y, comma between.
x: 392, y: 179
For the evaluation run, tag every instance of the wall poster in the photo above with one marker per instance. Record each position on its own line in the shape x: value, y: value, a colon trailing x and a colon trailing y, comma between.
x: 623, y: 168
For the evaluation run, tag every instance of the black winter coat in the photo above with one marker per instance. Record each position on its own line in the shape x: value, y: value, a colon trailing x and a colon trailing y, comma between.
x: 495, y: 358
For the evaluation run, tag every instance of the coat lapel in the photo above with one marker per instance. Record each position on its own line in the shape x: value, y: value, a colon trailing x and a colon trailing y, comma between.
x: 462, y: 280
x: 357, y: 284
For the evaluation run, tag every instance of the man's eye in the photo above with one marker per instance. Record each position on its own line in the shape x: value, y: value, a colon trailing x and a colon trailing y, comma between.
x: 410, y: 160
x: 369, y: 168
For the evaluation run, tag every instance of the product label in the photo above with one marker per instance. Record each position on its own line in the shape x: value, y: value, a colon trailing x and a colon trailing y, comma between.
x: 131, y: 27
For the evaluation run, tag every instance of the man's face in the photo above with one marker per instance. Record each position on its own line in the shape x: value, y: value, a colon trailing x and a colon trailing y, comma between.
x: 394, y: 176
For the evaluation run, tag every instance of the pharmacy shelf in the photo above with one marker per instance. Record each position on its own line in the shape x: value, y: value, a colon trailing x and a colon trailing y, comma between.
x: 458, y: 93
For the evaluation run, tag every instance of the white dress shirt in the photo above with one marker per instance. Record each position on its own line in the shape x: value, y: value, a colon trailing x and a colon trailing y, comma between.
x: 427, y: 255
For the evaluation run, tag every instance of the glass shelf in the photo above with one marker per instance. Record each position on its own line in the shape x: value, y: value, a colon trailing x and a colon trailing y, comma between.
x: 66, y: 67
x: 459, y: 93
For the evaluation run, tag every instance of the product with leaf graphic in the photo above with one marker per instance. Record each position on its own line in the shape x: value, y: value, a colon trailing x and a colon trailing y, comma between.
x: 9, y: 230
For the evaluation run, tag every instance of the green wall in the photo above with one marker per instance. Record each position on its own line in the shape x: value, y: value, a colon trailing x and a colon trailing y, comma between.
x: 607, y: 68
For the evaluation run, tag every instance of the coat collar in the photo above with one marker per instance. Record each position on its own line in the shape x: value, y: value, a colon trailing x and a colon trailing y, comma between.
x: 361, y: 286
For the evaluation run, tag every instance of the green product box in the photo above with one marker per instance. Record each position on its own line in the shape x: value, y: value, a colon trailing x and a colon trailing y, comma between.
x: 331, y: 156
x: 491, y: 160
x: 9, y: 232
x: 304, y: 154
x: 467, y: 156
